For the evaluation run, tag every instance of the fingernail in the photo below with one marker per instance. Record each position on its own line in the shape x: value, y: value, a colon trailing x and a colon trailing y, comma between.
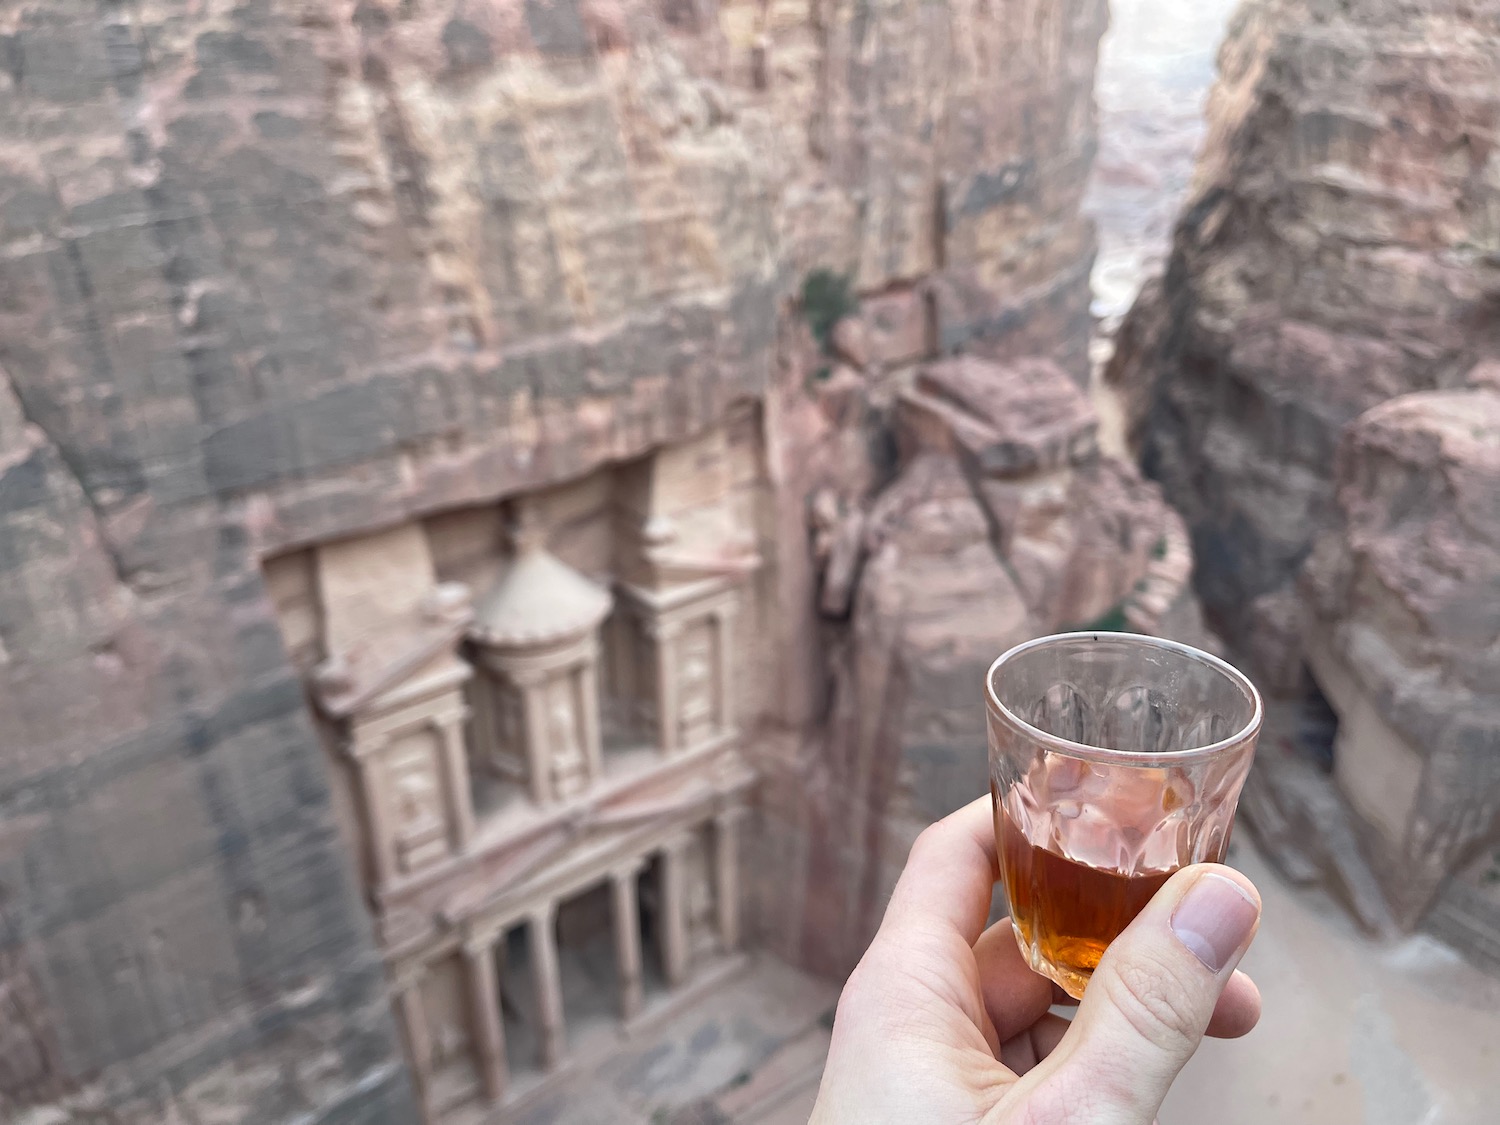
x: 1213, y: 919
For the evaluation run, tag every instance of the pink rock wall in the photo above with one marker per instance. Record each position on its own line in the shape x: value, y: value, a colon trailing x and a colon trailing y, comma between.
x: 1296, y: 383
x: 278, y: 271
x: 1331, y: 256
x: 1404, y: 596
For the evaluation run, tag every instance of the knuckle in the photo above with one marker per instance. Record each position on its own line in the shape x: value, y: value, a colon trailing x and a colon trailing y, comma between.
x: 930, y: 839
x: 857, y: 991
x: 1156, y: 1002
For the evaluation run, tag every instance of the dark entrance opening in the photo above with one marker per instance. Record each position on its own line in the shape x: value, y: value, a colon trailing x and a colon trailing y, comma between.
x: 587, y: 965
x: 1317, y: 728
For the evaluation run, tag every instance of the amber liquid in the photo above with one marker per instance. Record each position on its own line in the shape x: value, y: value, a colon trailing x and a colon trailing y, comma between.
x: 1067, y: 912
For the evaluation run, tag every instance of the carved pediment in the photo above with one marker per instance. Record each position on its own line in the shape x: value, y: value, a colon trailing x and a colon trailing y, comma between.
x: 396, y: 651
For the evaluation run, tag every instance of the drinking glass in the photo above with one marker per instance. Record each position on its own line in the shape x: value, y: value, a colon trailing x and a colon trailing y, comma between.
x: 1115, y: 759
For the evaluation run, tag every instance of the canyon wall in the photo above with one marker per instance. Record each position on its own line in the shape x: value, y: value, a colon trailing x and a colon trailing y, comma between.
x: 1404, y: 600
x: 275, y: 272
x: 1307, y: 383
x: 1338, y: 249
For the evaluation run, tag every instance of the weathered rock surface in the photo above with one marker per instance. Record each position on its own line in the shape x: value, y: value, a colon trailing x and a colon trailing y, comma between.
x: 1004, y: 422
x: 276, y: 273
x: 1405, y: 634
x: 1332, y: 255
x: 950, y: 147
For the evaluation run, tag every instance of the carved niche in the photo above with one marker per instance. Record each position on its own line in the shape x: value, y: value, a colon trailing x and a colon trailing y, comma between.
x: 418, y: 820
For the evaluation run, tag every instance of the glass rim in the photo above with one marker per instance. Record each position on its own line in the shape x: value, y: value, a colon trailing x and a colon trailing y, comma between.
x: 1058, y: 744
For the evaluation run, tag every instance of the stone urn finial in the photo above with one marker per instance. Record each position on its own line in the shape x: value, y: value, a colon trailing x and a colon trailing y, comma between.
x: 448, y: 601
x: 525, y: 530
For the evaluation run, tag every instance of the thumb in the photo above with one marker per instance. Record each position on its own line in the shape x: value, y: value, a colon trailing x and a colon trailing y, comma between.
x: 1149, y: 1002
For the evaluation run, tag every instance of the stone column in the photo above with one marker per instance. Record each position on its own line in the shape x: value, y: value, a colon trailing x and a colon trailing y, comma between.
x: 727, y: 875
x: 627, y: 923
x: 725, y: 620
x: 542, y: 939
x: 456, y: 779
x: 588, y: 715
x: 489, y: 1030
x: 533, y: 726
x: 418, y: 1037
x: 674, y: 950
x: 666, y: 687
x: 372, y: 793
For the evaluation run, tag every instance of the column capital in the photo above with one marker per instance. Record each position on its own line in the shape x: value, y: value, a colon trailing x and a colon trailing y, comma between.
x: 360, y: 746
x: 659, y: 630
x: 452, y: 717
x: 731, y: 814
x: 528, y: 678
x: 408, y: 978
x: 630, y: 869
x: 481, y: 943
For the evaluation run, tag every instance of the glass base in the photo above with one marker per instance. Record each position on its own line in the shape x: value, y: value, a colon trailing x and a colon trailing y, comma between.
x: 1071, y: 979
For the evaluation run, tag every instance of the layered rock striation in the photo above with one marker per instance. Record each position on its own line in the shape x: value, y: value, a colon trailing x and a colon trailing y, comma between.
x: 1404, y: 635
x: 1296, y: 382
x: 1334, y: 253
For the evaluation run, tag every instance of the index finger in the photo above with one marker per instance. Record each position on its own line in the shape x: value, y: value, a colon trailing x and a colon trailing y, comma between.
x: 949, y: 876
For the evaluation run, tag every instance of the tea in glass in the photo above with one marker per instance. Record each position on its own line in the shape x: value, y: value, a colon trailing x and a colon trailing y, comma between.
x: 1115, y: 759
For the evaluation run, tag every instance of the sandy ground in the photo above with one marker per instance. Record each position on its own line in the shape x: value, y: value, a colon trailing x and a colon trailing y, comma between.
x: 748, y: 1051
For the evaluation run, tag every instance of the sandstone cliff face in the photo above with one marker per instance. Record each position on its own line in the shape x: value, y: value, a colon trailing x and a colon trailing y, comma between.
x: 941, y: 144
x: 1336, y: 252
x: 280, y: 271
x: 1294, y: 382
x: 1405, y: 594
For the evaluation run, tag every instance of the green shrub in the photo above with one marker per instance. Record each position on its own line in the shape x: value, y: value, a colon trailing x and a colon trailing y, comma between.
x: 827, y: 298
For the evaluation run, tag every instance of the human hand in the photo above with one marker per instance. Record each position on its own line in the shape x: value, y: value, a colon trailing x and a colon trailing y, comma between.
x: 942, y: 1021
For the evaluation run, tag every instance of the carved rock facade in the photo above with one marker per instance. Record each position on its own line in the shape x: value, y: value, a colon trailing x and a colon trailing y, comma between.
x: 311, y: 313
x: 523, y: 790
